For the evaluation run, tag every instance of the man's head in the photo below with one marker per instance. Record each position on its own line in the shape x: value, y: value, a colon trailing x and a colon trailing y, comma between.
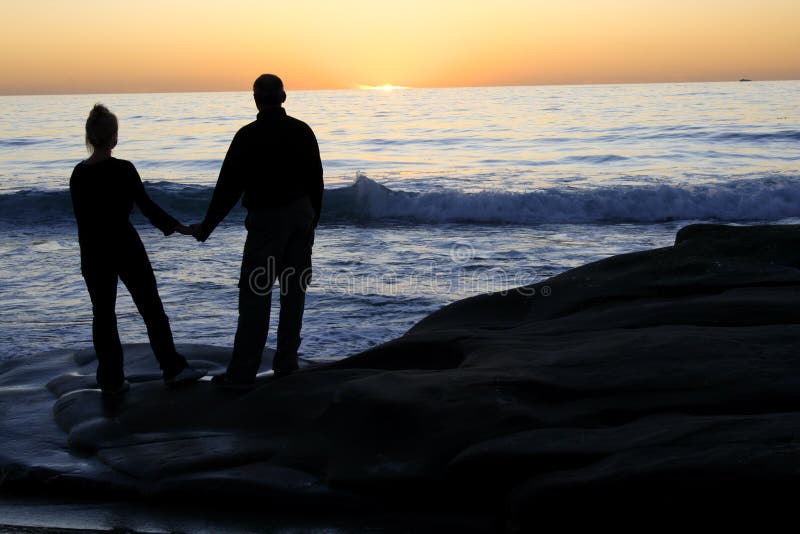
x: 268, y: 91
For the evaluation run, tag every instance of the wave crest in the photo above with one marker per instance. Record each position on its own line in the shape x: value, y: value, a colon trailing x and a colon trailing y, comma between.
x: 740, y: 200
x: 756, y: 199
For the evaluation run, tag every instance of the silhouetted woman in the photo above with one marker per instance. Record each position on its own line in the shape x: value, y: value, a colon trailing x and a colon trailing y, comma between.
x: 104, y: 190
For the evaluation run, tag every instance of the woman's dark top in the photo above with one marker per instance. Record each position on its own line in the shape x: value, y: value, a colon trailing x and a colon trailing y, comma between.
x: 103, y: 196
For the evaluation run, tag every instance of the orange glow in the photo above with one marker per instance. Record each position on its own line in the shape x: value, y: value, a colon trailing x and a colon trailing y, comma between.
x: 179, y: 45
x: 384, y: 87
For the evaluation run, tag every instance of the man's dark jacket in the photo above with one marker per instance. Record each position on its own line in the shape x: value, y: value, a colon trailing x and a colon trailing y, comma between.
x: 272, y: 161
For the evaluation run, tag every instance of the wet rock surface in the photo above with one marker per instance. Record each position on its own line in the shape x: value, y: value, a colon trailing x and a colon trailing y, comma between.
x: 664, y: 379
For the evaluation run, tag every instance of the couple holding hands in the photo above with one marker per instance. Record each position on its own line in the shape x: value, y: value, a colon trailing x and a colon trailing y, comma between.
x: 273, y: 165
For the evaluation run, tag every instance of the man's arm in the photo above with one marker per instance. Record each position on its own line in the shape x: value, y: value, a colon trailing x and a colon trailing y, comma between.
x: 317, y: 186
x: 228, y: 190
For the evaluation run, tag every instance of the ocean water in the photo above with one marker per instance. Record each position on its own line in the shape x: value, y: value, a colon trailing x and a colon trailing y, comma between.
x: 432, y: 195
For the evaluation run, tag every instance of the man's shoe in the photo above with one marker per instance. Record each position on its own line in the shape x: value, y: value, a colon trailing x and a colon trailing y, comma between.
x: 187, y: 376
x: 112, y: 392
x: 282, y: 373
x: 284, y: 363
x: 224, y: 381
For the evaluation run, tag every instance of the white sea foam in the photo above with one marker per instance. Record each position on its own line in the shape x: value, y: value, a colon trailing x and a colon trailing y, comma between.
x: 771, y: 198
x: 754, y: 199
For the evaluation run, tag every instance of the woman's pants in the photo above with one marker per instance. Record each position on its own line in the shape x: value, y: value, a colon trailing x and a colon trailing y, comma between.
x: 135, y: 271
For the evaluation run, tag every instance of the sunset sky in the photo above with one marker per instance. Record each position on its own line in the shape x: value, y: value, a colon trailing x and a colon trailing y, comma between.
x: 89, y: 46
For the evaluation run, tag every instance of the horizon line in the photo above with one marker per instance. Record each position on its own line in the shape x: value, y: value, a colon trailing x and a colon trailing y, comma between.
x: 360, y: 87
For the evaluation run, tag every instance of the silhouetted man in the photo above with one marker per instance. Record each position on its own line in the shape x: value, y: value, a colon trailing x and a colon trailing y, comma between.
x: 274, y: 162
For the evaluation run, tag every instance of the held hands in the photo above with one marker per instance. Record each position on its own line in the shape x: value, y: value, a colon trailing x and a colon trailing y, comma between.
x: 196, y: 230
x: 193, y: 230
x: 183, y: 229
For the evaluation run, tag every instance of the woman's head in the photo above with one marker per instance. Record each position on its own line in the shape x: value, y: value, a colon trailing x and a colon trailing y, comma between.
x: 101, y: 129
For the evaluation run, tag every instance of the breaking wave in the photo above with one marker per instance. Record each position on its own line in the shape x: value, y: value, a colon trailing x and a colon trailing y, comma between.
x: 756, y: 199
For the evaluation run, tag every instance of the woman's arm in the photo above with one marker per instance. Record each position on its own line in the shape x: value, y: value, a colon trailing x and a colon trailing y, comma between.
x: 77, y: 204
x: 157, y: 216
